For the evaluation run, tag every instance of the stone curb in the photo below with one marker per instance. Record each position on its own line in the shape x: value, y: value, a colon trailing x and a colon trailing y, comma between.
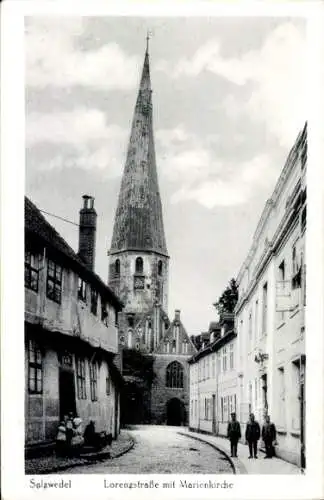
x: 86, y: 460
x: 237, y: 466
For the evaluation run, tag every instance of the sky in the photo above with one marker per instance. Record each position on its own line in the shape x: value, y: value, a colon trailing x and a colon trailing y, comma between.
x: 228, y: 103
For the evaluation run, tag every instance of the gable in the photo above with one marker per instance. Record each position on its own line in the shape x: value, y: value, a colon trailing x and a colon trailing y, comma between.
x: 176, y: 341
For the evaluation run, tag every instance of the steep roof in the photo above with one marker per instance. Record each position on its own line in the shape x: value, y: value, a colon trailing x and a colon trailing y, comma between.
x: 138, y: 220
x: 37, y: 226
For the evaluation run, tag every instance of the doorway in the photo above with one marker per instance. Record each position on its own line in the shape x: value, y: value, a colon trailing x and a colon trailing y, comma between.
x: 66, y: 392
x: 175, y: 412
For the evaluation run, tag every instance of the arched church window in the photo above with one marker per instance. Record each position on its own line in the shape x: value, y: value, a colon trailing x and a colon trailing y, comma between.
x: 117, y: 267
x: 160, y: 268
x: 139, y: 265
x: 174, y: 375
x: 130, y: 338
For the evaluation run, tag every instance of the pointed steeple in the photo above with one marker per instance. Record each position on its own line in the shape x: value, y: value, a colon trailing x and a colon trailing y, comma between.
x: 138, y: 221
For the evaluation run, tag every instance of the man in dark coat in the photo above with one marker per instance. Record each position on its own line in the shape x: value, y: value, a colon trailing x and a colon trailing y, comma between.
x: 252, y: 435
x: 234, y: 434
x: 269, y: 437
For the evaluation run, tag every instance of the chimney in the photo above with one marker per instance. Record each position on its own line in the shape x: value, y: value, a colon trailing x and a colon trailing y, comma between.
x: 87, y: 232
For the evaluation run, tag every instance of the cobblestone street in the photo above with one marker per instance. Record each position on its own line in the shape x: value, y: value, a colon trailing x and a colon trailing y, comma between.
x: 160, y: 450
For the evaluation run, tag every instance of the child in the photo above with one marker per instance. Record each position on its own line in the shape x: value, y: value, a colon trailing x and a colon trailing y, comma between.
x: 61, y: 439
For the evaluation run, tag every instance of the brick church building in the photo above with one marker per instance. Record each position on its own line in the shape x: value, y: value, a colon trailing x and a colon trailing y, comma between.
x: 138, y: 274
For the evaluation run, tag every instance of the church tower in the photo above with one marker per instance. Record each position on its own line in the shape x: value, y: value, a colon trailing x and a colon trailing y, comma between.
x: 138, y: 257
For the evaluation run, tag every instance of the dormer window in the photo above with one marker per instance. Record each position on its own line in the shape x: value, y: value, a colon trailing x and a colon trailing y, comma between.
x: 139, y: 265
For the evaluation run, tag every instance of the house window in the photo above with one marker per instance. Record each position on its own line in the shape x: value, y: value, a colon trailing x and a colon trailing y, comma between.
x: 219, y: 364
x: 54, y: 281
x: 82, y: 290
x: 296, y: 270
x: 117, y: 268
x: 35, y: 368
x: 295, y: 410
x: 108, y: 385
x: 207, y: 368
x: 139, y: 265
x: 31, y: 270
x: 174, y: 375
x: 250, y: 326
x: 93, y: 381
x: 256, y: 320
x: 214, y: 365
x: 224, y: 359
x: 281, y: 398
x: 104, y: 312
x: 81, y: 379
x: 130, y: 339
x: 160, y: 268
x: 264, y: 308
x: 94, y: 301
x: 281, y: 278
x: 231, y: 357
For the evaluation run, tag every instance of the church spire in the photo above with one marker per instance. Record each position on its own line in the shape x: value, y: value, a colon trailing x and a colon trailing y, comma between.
x: 138, y: 221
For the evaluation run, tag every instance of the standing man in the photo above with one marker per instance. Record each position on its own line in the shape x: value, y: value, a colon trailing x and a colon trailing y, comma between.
x: 252, y: 435
x: 234, y: 434
x: 269, y: 434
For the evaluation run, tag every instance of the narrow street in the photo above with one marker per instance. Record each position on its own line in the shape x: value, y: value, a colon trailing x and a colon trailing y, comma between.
x: 161, y: 450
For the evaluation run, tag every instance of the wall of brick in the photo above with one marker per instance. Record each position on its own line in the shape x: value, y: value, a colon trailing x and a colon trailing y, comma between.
x: 161, y: 394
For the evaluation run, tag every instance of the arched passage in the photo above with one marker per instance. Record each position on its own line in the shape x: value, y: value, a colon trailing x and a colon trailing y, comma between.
x: 175, y: 412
